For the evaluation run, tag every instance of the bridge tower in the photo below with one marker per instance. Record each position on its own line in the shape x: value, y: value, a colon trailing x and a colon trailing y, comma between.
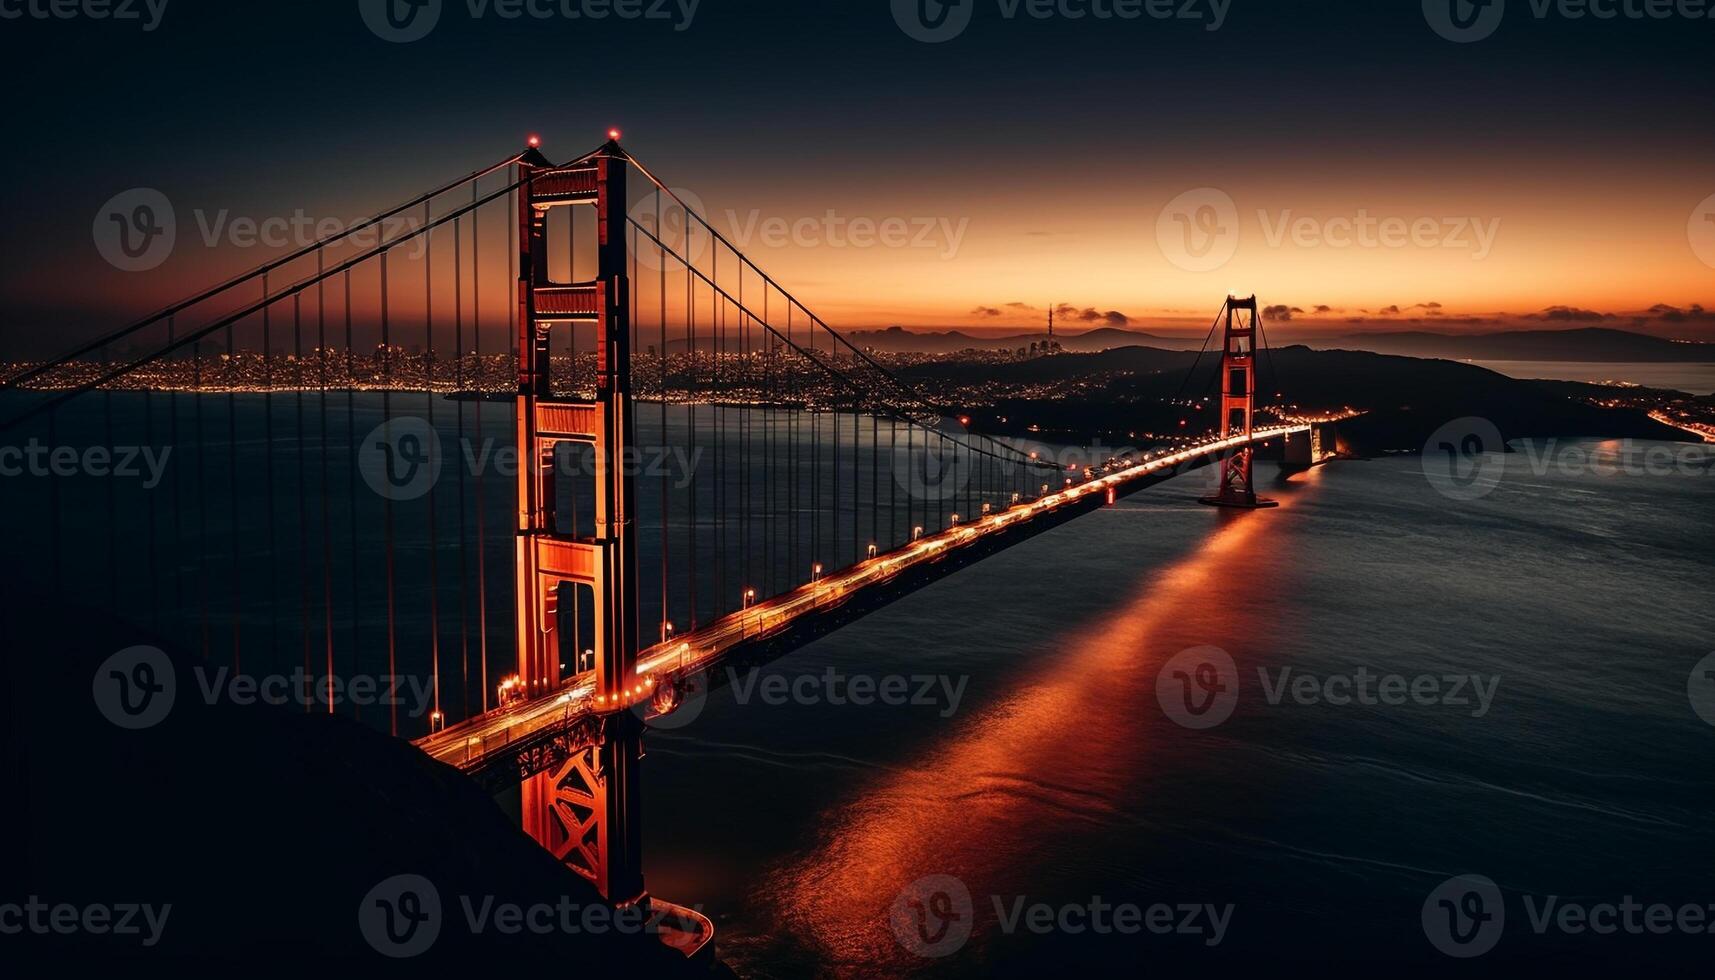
x: 1238, y: 404
x: 582, y: 805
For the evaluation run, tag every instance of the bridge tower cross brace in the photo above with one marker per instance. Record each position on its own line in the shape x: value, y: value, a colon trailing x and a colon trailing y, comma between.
x: 584, y: 807
x: 1238, y: 404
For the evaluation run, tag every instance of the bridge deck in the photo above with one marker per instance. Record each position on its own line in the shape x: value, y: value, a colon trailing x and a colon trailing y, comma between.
x: 498, y: 735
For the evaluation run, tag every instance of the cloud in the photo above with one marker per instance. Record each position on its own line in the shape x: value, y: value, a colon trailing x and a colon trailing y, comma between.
x: 1280, y: 314
x: 985, y: 311
x: 1568, y: 314
x: 1320, y: 309
x: 1427, y: 306
x: 1673, y: 314
x: 1389, y: 311
x: 1021, y: 307
x: 1089, y: 314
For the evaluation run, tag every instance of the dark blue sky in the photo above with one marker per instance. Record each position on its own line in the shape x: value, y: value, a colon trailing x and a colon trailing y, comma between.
x: 249, y: 105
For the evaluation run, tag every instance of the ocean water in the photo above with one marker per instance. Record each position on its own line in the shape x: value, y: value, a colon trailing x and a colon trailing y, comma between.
x: 1697, y: 379
x: 1031, y: 760
x: 1061, y: 780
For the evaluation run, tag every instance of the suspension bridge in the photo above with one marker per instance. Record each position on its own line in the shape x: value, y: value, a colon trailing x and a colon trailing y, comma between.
x: 558, y: 608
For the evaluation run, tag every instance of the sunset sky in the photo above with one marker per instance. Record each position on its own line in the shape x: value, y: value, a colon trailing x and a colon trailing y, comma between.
x: 1563, y: 164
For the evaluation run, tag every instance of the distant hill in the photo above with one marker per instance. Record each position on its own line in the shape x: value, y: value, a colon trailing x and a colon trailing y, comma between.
x: 898, y: 339
x: 1586, y: 344
x: 1405, y: 399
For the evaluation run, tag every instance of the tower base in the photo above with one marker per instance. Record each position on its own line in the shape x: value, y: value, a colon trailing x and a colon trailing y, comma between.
x: 1241, y: 501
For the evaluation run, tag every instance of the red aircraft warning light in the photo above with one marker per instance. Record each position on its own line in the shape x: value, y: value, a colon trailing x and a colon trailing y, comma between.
x: 534, y: 141
x: 613, y: 134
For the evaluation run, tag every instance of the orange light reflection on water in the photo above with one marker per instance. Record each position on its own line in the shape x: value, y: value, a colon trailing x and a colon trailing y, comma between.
x: 979, y: 804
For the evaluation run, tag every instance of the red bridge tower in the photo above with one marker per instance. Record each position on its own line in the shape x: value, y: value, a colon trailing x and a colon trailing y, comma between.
x: 1238, y: 405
